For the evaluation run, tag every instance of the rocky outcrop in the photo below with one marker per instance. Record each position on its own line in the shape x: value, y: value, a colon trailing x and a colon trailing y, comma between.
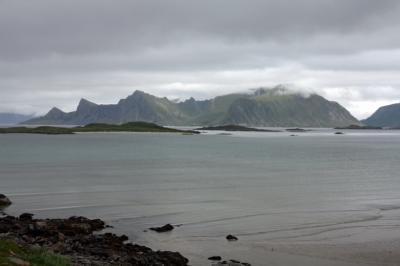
x: 162, y: 229
x: 4, y: 201
x: 76, y: 238
x: 231, y: 238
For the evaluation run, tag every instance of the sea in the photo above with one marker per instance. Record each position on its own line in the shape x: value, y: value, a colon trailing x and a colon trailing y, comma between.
x: 270, y: 189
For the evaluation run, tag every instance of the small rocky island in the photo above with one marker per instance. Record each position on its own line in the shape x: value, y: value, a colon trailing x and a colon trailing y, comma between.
x: 297, y: 129
x: 4, y: 201
x: 236, y: 128
x: 358, y: 127
x: 98, y: 127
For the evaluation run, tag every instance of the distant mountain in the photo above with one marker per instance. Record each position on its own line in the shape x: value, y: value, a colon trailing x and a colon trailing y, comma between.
x: 385, y: 116
x: 265, y: 107
x: 12, y: 118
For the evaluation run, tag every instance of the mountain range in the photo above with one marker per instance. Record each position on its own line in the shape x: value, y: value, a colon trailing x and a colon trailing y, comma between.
x: 385, y: 116
x: 13, y: 118
x: 272, y: 107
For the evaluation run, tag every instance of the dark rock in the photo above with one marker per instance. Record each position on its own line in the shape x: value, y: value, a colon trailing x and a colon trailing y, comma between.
x: 4, y: 201
x: 215, y: 258
x: 231, y: 238
x: 162, y: 229
x: 339, y: 133
x: 26, y: 217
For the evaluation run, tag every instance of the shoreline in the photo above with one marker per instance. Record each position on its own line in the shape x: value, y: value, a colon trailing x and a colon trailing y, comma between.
x: 79, y: 239
x: 91, y: 240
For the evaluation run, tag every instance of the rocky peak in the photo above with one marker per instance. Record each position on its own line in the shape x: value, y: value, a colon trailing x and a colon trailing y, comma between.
x: 55, y: 113
x: 137, y: 94
x: 85, y: 105
x: 134, y: 97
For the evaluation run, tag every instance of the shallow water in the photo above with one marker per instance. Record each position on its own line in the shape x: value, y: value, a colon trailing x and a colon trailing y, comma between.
x: 266, y: 188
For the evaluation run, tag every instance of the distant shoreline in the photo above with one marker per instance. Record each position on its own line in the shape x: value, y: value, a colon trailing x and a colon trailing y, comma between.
x: 95, y: 128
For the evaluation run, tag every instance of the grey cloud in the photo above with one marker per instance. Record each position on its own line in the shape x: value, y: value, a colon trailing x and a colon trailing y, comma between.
x: 44, y: 28
x: 53, y: 52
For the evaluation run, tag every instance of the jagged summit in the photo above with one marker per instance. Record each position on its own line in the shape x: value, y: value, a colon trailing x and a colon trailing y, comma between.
x: 276, y: 106
x: 55, y: 109
x: 137, y: 94
x: 85, y: 105
x: 84, y: 102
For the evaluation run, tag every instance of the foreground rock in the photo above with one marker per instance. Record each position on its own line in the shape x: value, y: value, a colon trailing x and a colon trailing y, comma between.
x: 4, y: 201
x: 163, y: 229
x: 76, y: 238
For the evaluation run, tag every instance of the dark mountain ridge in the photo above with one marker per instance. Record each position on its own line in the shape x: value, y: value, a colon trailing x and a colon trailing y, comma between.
x: 264, y: 107
x: 385, y: 116
x: 13, y: 118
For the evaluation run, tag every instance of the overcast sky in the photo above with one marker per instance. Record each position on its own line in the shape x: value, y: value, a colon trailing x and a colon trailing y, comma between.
x: 52, y: 53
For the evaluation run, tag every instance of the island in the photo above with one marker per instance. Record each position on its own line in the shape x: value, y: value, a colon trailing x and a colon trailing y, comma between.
x: 96, y: 127
x: 297, y: 129
x: 37, y: 130
x: 236, y: 128
x: 358, y: 127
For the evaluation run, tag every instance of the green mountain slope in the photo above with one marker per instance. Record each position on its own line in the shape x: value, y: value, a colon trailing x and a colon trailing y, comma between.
x: 288, y: 110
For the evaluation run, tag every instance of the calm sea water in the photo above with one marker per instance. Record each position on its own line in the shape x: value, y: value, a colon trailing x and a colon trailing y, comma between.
x: 265, y: 188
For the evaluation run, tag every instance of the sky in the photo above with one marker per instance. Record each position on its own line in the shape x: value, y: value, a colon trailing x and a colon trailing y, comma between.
x: 53, y: 52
